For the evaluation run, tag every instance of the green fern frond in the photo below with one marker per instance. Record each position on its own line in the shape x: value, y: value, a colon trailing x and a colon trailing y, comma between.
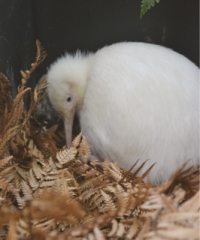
x: 146, y: 5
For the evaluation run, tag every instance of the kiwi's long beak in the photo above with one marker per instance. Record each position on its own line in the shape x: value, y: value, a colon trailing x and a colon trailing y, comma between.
x: 68, y: 124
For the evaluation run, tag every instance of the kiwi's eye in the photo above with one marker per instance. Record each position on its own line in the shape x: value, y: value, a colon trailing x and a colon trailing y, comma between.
x: 69, y: 99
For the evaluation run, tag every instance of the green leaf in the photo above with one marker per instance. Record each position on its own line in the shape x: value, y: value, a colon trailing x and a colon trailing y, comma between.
x: 146, y: 5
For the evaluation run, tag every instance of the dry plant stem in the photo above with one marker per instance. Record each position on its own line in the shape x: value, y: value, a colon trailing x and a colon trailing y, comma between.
x: 40, y: 56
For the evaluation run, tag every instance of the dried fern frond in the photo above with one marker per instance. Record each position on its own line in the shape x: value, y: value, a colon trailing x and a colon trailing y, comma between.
x: 77, y: 140
x: 185, y: 178
x: 84, y: 149
x: 4, y: 162
x: 14, y: 122
x: 5, y: 100
x: 40, y: 56
x: 39, y: 90
x: 44, y: 142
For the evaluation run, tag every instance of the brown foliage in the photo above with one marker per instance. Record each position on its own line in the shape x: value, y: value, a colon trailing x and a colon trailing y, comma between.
x: 52, y: 193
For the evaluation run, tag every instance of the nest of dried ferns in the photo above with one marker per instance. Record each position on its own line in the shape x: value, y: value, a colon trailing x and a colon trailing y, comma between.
x: 52, y: 193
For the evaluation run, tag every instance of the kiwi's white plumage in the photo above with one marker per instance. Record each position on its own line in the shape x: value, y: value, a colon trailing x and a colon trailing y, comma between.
x: 135, y: 101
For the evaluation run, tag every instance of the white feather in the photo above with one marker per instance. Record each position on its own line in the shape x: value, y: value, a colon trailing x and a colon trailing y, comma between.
x: 135, y: 101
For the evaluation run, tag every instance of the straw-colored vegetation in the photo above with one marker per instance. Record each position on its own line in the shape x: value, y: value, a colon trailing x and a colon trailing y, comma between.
x: 52, y: 193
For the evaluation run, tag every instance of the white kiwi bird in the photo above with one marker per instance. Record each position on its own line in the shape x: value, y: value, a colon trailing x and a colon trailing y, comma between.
x: 134, y: 101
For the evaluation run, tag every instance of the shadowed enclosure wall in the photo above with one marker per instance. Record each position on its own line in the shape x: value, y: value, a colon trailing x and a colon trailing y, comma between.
x: 66, y: 25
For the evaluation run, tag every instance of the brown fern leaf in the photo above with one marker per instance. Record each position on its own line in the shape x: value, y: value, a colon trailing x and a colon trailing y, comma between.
x: 35, y: 97
x: 39, y: 90
x: 146, y: 173
x: 95, y: 202
x: 84, y: 149
x: 5, y: 100
x: 33, y: 181
x: 37, y: 170
x: 33, y: 151
x: 60, y: 205
x: 23, y: 226
x: 192, y: 204
x: 4, y: 146
x: 20, y: 200
x: 26, y: 190
x: 79, y: 169
x: 115, y: 171
x: 44, y: 142
x: 19, y: 147
x: 89, y: 173
x: 185, y: 178
x: 7, y: 191
x: 22, y: 172
x: 51, y: 131
x: 94, y: 184
x: 108, y: 202
x: 166, y: 218
x: 66, y: 155
x: 12, y: 232
x: 102, y: 167
x: 139, y: 168
x: 66, y: 185
x: 12, y: 122
x: 15, y: 115
x: 131, y: 176
x: 21, y: 132
x: 5, y: 162
x: 129, y: 172
x: 77, y: 140
x: 40, y: 56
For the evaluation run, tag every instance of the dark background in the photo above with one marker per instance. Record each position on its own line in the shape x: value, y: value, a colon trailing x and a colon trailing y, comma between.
x: 65, y: 25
